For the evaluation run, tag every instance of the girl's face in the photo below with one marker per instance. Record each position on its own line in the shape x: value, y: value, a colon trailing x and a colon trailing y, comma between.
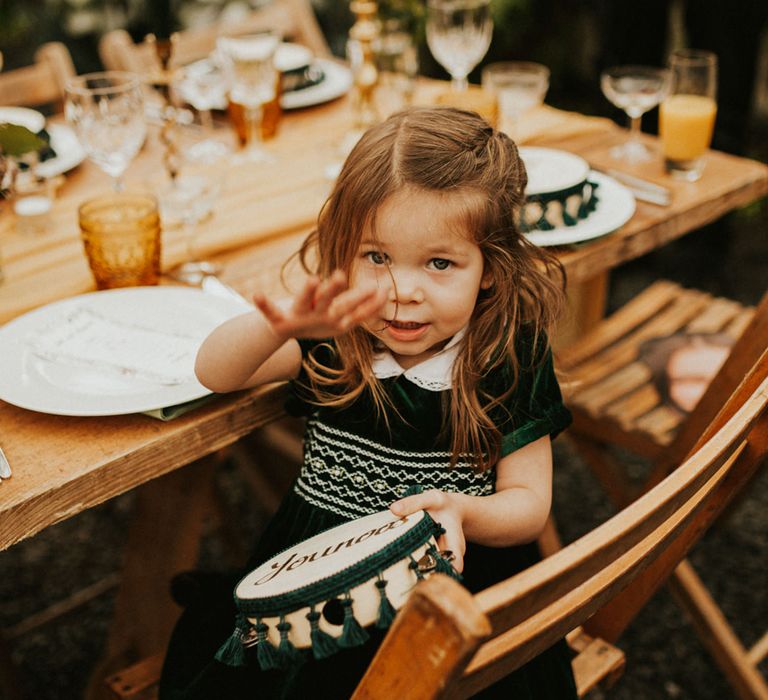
x: 427, y: 259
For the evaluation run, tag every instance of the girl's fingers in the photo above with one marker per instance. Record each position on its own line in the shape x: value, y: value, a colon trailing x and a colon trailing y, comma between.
x: 271, y: 312
x: 329, y: 290
x: 359, y: 309
x: 305, y: 301
x: 413, y: 504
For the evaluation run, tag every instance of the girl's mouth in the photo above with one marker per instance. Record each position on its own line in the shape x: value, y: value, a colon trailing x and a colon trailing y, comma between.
x: 406, y: 330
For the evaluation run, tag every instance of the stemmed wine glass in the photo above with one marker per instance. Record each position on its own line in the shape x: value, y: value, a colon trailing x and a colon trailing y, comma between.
x: 459, y: 34
x: 634, y: 89
x: 250, y: 61
x: 107, y: 112
x: 204, y: 84
x: 187, y: 201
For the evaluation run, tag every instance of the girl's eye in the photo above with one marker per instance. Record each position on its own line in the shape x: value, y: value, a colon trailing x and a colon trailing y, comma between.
x: 376, y: 258
x: 440, y: 263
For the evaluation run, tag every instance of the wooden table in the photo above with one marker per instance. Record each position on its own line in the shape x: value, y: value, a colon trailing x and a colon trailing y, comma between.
x: 63, y: 465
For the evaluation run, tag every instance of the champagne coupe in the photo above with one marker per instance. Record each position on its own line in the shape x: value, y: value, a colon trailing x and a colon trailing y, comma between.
x: 250, y: 60
x: 635, y: 90
x: 459, y: 34
x: 107, y: 112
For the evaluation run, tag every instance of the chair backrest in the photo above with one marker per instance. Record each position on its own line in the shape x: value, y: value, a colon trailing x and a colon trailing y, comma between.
x: 41, y: 83
x: 294, y: 18
x: 527, y: 613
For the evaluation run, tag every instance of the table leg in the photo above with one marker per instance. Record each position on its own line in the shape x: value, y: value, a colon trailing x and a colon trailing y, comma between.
x: 585, y: 307
x: 163, y: 540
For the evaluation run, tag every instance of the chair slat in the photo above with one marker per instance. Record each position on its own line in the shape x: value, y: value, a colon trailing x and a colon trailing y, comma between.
x: 660, y: 422
x: 715, y: 317
x: 636, y: 312
x: 674, y: 317
x: 633, y: 405
x: 613, y: 387
x: 739, y: 324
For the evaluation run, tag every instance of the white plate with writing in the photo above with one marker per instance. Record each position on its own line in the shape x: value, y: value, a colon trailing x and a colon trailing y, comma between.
x: 615, y: 206
x: 111, y: 352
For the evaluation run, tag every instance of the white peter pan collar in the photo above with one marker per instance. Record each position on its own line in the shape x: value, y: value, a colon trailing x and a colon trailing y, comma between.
x: 433, y: 374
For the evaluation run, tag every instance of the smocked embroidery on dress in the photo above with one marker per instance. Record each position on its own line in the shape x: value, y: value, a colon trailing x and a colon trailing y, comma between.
x: 352, y: 476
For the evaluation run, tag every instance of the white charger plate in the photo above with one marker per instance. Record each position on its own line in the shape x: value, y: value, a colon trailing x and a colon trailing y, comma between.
x: 615, y: 207
x: 337, y: 80
x: 63, y: 388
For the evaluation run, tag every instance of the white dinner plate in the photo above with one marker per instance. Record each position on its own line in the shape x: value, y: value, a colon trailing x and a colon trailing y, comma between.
x: 337, y: 79
x: 615, y: 207
x: 161, y: 327
x: 69, y: 152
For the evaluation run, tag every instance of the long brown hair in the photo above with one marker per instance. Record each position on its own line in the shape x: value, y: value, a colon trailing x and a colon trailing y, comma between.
x: 448, y: 150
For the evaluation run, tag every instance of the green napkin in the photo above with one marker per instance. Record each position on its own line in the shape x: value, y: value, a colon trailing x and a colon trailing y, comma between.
x: 170, y: 412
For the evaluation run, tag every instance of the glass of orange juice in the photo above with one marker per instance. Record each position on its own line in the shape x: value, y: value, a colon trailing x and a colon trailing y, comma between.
x: 687, y: 115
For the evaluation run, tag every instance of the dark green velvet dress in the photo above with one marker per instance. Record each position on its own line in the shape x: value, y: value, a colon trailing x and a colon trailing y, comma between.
x: 355, y: 465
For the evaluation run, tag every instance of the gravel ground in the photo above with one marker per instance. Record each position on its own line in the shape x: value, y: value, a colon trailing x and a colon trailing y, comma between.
x: 664, y: 657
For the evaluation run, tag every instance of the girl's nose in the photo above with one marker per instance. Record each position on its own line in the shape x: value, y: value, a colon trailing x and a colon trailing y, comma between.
x: 406, y: 289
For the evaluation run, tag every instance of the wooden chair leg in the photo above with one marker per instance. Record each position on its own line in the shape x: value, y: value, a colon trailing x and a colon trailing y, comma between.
x: 716, y: 634
x: 164, y: 539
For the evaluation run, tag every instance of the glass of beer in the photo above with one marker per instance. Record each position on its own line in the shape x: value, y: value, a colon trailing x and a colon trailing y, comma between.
x: 253, y: 85
x: 121, y: 236
x: 687, y: 115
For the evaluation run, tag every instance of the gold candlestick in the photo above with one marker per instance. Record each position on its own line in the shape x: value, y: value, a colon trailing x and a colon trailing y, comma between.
x: 364, y: 33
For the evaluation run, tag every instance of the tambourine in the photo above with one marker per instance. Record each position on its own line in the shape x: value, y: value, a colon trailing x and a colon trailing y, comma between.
x: 321, y: 594
x: 559, y: 191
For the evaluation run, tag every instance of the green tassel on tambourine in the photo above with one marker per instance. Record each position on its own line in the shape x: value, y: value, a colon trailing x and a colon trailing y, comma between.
x: 352, y: 634
x: 232, y: 652
x: 543, y: 223
x: 386, y: 610
x: 568, y: 220
x: 287, y: 654
x: 414, y: 566
x: 262, y: 653
x: 323, y: 644
x: 588, y: 206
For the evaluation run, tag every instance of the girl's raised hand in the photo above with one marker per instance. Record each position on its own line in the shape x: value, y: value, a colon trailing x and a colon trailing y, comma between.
x: 323, y: 309
x: 444, y: 509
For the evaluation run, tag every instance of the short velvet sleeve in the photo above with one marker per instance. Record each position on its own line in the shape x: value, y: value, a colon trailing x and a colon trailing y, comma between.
x: 535, y: 408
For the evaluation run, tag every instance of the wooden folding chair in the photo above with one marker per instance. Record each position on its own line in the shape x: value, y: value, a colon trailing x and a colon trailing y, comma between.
x: 615, y: 402
x: 294, y: 18
x: 43, y: 82
x: 446, y: 643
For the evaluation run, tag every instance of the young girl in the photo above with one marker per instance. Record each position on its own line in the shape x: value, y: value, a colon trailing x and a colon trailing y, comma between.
x: 419, y: 353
